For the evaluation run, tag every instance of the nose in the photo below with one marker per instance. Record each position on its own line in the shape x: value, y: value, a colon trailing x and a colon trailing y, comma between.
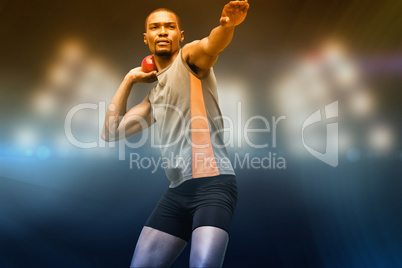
x: 163, y: 32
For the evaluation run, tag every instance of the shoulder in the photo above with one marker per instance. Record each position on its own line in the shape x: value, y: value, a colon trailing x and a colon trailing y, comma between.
x: 195, y: 59
x: 188, y: 50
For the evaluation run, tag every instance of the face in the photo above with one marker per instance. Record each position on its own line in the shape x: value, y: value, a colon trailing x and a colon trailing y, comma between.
x: 163, y: 35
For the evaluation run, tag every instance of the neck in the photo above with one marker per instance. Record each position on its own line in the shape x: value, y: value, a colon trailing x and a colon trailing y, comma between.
x: 162, y: 62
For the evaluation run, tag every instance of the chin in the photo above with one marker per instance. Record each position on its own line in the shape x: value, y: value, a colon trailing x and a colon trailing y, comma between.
x: 163, y: 52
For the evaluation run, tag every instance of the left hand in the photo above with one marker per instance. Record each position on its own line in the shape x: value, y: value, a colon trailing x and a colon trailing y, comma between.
x: 137, y: 75
x: 234, y: 13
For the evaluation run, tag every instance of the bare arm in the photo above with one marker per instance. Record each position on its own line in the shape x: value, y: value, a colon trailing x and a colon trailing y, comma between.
x: 202, y: 54
x: 137, y: 118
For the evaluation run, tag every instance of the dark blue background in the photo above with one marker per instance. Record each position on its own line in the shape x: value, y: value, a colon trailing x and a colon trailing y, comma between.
x: 310, y: 215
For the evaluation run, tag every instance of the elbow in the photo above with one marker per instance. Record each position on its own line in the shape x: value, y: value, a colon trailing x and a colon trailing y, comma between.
x: 103, y: 136
x: 106, y: 136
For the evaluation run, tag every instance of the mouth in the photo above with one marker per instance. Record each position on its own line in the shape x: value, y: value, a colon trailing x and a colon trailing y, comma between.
x: 163, y: 42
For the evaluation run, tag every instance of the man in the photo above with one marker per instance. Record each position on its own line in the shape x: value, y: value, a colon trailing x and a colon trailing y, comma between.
x: 202, y: 195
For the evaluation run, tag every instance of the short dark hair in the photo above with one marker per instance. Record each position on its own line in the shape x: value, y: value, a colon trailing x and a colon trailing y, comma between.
x: 165, y: 10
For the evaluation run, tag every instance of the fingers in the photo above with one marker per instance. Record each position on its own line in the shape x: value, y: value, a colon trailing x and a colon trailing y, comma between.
x: 245, y: 7
x: 150, y: 77
x: 237, y: 6
x: 235, y: 12
x: 146, y: 77
x: 138, y: 75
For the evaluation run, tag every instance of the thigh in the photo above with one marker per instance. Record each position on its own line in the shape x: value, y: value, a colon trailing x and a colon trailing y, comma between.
x: 208, y: 246
x: 214, y: 203
x: 156, y: 248
x: 171, y: 217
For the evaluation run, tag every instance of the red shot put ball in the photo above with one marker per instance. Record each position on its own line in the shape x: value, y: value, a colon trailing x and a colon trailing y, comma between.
x: 148, y: 64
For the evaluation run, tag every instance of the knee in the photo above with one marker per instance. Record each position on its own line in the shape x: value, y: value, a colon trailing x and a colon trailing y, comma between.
x: 199, y: 261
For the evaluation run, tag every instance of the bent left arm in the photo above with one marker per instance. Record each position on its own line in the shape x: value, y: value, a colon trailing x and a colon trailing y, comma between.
x: 202, y: 54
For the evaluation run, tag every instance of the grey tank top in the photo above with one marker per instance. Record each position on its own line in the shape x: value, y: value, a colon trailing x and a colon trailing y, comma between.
x: 190, y: 124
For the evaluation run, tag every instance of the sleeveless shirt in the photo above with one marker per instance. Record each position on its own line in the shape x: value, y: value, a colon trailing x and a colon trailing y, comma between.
x: 190, y: 124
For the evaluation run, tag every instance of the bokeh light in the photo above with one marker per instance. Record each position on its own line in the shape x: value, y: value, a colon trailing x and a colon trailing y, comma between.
x: 43, y: 152
x: 361, y: 103
x: 381, y: 138
x: 26, y: 137
x: 45, y: 103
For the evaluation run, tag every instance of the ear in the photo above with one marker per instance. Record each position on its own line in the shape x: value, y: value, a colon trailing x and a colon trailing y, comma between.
x: 181, y: 36
x: 145, y: 38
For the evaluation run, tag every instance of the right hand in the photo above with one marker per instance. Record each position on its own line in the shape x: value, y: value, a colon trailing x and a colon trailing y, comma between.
x: 234, y: 13
x: 136, y: 75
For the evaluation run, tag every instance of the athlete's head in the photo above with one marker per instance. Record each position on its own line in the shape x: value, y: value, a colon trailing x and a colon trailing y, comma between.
x: 163, y: 32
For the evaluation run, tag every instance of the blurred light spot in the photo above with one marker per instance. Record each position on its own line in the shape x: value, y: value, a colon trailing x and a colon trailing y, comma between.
x: 308, y: 69
x: 26, y: 137
x: 333, y: 52
x: 346, y: 74
x: 381, y: 138
x: 361, y: 103
x: 290, y: 96
x: 28, y: 152
x: 342, y: 69
x: 310, y: 80
x: 67, y: 65
x: 72, y: 50
x: 59, y: 77
x: 96, y: 82
x: 45, y: 103
x: 43, y: 152
x: 235, y: 109
x: 353, y: 155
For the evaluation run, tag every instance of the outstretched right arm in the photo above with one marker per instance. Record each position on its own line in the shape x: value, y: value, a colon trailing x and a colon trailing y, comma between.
x: 137, y: 118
